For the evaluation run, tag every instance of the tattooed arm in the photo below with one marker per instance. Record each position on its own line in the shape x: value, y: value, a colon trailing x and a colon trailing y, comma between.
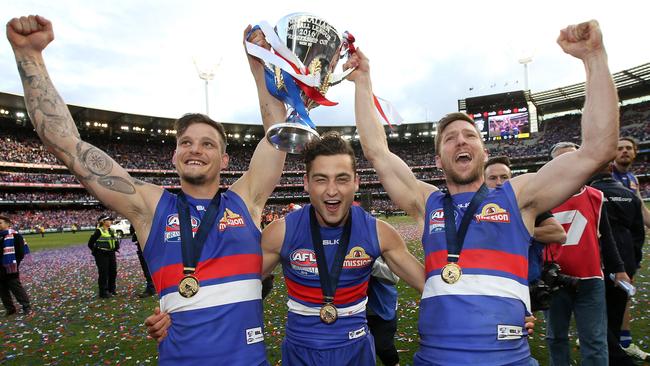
x: 101, y: 176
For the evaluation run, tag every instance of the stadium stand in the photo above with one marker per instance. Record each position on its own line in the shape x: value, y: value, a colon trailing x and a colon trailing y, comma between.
x: 38, y: 191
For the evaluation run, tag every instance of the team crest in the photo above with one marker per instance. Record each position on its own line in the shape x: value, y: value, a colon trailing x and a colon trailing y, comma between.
x: 493, y: 213
x: 230, y: 219
x: 356, y: 258
x: 173, y: 228
x: 303, y: 261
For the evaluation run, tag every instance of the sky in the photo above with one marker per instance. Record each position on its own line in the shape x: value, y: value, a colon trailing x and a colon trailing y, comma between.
x: 136, y: 56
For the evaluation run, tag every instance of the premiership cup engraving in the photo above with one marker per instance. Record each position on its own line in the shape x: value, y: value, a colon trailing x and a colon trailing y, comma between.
x: 317, y: 44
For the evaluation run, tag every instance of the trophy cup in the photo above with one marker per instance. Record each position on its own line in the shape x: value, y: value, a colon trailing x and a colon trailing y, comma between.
x: 316, y: 47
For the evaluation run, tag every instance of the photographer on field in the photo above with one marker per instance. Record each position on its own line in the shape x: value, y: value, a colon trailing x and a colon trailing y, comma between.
x: 577, y: 269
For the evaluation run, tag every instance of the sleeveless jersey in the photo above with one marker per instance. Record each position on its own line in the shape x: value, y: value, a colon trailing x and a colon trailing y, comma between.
x: 224, y: 320
x: 579, y: 256
x: 300, y: 269
x: 628, y: 179
x: 478, y: 320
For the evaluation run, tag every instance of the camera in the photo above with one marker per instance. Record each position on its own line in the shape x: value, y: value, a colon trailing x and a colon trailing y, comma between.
x: 551, y: 280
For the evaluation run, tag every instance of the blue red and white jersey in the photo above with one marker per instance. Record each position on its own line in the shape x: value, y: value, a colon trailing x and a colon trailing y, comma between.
x: 224, y: 320
x: 478, y: 320
x: 579, y: 256
x: 628, y: 179
x: 303, y: 282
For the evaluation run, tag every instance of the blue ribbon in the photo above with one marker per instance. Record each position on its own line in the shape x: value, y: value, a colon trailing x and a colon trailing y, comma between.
x: 289, y: 95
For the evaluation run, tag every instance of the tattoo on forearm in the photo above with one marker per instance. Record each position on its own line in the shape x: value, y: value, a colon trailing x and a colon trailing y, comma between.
x: 55, y: 127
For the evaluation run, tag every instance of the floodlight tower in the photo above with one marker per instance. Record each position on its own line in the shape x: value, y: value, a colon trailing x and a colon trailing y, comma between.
x: 206, y: 73
x: 525, y: 61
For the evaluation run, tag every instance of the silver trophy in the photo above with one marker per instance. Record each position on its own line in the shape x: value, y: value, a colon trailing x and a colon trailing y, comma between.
x: 318, y: 45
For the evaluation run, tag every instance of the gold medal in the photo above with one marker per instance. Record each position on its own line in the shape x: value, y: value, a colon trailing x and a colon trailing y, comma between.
x: 451, y: 273
x: 188, y: 286
x: 328, y: 313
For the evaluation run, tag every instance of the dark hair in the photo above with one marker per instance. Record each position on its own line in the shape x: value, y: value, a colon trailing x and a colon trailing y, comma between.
x: 5, y: 219
x: 330, y: 143
x: 635, y: 144
x: 498, y: 160
x: 181, y: 125
x: 448, y: 119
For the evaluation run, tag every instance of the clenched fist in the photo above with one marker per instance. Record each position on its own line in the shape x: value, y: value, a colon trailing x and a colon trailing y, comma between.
x: 29, y: 33
x: 582, y: 40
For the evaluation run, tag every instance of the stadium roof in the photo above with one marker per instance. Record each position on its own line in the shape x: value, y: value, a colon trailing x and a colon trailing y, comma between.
x: 631, y: 83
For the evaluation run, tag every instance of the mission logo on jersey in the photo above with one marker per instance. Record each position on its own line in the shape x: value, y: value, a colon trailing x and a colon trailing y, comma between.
x: 173, y: 228
x: 357, y: 258
x: 230, y: 219
x: 493, y: 213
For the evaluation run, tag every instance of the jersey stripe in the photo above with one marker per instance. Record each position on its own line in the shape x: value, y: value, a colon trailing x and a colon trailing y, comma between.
x: 344, y: 295
x: 213, y: 268
x: 482, y: 259
x: 215, y: 295
x: 478, y: 285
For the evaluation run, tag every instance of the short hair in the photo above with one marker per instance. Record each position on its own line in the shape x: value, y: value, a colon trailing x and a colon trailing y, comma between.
x: 330, y: 143
x: 5, y: 219
x: 631, y: 139
x: 448, y: 119
x: 188, y: 119
x: 498, y: 160
x: 562, y: 145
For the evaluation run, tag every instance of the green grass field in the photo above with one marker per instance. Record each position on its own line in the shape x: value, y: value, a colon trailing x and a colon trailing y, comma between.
x: 56, y: 240
x: 71, y: 326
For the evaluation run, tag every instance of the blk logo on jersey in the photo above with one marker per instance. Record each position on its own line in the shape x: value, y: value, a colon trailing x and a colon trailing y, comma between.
x: 356, y: 258
x: 303, y: 261
x: 231, y: 219
x: 173, y: 228
x: 493, y: 213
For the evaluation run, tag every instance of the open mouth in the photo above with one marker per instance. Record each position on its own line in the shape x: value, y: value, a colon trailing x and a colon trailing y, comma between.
x: 332, y: 205
x: 463, y: 157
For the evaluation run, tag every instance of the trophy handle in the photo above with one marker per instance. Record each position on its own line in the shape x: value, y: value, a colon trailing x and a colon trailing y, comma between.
x: 338, y: 77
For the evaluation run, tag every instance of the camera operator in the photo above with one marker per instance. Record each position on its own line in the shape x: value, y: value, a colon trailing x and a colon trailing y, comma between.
x: 626, y: 220
x: 547, y: 230
x: 575, y: 267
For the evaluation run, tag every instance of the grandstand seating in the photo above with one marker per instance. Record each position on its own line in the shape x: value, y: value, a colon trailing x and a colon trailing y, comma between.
x: 37, y: 190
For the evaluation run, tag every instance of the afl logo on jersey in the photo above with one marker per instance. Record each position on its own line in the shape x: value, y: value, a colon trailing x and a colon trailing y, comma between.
x: 173, y: 228
x: 493, y: 213
x: 437, y: 221
x: 303, y: 262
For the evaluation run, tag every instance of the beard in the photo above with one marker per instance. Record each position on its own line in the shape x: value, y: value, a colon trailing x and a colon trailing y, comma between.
x: 195, y: 180
x: 474, y: 175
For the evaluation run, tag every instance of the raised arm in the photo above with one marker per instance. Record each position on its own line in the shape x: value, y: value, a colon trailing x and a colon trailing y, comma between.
x: 98, y: 173
x: 398, y: 179
x: 543, y: 191
x: 398, y: 258
x: 265, y: 168
x: 272, y: 239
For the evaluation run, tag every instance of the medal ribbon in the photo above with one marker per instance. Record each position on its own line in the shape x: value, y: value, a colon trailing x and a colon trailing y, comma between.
x: 191, y: 246
x: 329, y: 280
x: 455, y: 240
